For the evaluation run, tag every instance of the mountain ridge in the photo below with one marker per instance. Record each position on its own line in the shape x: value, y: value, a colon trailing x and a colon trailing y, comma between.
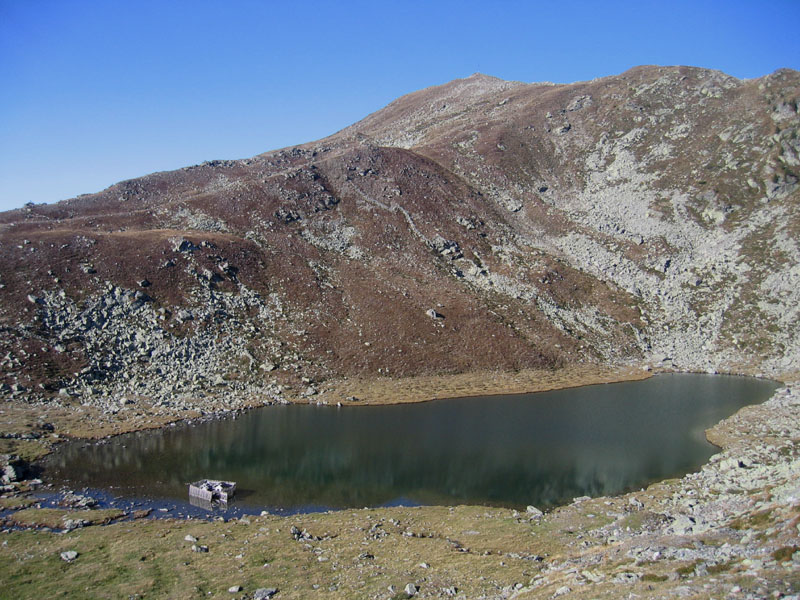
x: 646, y: 219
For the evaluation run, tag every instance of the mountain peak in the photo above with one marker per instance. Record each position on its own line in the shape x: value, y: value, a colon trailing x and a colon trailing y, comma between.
x: 546, y: 225
x: 483, y: 77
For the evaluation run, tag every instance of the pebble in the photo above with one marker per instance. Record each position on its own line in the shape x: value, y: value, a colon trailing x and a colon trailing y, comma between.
x: 69, y: 555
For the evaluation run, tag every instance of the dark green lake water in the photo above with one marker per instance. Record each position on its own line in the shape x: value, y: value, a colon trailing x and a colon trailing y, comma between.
x: 541, y: 449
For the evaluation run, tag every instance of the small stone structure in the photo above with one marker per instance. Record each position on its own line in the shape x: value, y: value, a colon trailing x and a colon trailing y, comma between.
x: 211, y: 489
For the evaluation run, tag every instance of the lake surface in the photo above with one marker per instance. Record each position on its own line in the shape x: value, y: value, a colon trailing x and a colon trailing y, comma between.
x: 542, y: 449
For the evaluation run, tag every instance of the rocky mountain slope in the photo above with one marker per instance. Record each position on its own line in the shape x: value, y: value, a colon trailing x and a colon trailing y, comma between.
x: 649, y: 218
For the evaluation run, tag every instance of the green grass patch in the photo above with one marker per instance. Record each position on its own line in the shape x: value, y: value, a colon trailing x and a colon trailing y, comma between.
x: 756, y: 520
x: 16, y: 502
x: 784, y: 553
x: 55, y: 518
x: 719, y: 568
x: 27, y: 450
x: 687, y: 570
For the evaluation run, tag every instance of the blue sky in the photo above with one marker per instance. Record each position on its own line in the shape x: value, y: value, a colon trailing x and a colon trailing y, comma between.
x: 93, y: 92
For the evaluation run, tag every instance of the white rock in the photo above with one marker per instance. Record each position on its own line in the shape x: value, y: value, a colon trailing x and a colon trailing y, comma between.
x: 534, y: 512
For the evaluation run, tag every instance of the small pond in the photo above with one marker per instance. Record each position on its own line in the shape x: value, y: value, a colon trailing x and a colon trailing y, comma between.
x: 542, y: 449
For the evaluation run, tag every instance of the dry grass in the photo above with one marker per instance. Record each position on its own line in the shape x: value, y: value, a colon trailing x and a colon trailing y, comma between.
x: 483, y: 552
x: 358, y: 554
x: 16, y: 502
x: 55, y: 517
x: 75, y: 420
x: 482, y: 383
x: 28, y: 450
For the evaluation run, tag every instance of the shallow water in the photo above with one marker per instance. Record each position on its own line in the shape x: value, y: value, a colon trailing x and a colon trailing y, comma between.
x: 542, y: 449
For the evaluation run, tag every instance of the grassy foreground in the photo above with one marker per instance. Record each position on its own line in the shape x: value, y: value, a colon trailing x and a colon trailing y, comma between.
x: 466, y: 552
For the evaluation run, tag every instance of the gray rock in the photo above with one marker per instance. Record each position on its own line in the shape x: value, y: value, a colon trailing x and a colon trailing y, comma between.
x: 579, y: 102
x: 10, y: 474
x: 235, y: 589
x: 69, y: 555
x: 71, y: 524
x: 433, y: 314
x: 682, y: 525
x: 73, y: 500
x: 190, y: 538
x: 264, y: 593
x: 592, y: 576
x: 411, y: 589
x: 534, y: 512
x: 180, y: 244
x: 626, y: 578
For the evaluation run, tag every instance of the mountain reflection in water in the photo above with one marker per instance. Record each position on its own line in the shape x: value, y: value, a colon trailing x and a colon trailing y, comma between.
x: 541, y: 449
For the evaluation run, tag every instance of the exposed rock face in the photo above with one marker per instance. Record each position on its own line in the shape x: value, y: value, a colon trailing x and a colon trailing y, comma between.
x: 650, y: 217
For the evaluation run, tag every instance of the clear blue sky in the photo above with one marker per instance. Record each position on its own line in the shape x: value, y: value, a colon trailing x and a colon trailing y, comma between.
x: 93, y: 92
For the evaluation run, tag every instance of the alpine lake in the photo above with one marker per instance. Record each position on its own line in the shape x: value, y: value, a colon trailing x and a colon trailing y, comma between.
x: 542, y: 449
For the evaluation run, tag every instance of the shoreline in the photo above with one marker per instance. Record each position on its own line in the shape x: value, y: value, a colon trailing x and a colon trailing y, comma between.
x: 173, y: 506
x: 374, y: 391
x: 426, y: 388
x: 78, y: 421
x: 378, y: 392
x: 496, y: 384
x: 729, y: 529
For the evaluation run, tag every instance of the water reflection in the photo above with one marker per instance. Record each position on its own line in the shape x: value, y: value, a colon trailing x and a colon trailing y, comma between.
x: 538, y: 449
